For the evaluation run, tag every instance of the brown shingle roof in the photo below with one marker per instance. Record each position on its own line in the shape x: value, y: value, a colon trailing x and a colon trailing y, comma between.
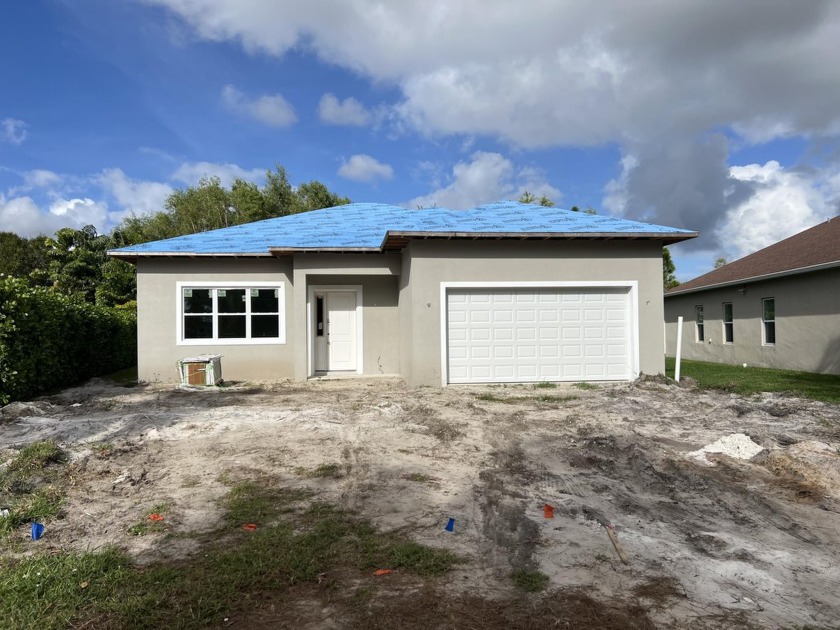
x: 819, y: 245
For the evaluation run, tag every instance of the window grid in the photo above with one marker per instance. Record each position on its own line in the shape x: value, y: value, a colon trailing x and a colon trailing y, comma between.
x: 728, y: 323
x: 768, y: 318
x: 259, y: 319
x: 699, y: 325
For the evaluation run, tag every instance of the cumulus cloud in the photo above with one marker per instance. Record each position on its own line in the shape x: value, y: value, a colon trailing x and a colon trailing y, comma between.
x: 13, y: 130
x: 190, y: 173
x: 364, y: 168
x: 485, y: 178
x: 133, y: 196
x: 23, y: 216
x: 347, y: 112
x: 272, y: 110
x: 567, y: 72
x: 785, y: 202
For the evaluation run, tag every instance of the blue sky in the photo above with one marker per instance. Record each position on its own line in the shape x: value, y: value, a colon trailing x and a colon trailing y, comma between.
x: 715, y: 116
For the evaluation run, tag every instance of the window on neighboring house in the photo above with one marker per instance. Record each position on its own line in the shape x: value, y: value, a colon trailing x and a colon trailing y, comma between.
x: 698, y: 324
x: 728, y: 326
x: 236, y: 313
x: 769, y: 319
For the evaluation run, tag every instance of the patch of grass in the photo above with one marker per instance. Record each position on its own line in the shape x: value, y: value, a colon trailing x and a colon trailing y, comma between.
x: 105, y: 590
x: 545, y: 385
x: 513, y: 400
x: 530, y: 580
x: 555, y: 399
x: 31, y: 485
x: 324, y: 471
x: 260, y: 502
x: 147, y: 526
x: 751, y: 380
x: 585, y: 386
x: 423, y: 561
x: 421, y: 478
x: 34, y: 458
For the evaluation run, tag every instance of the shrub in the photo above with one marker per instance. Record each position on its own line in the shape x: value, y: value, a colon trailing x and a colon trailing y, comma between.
x: 49, y: 340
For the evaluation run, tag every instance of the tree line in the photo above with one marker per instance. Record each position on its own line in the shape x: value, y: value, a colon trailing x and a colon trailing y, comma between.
x: 75, y: 262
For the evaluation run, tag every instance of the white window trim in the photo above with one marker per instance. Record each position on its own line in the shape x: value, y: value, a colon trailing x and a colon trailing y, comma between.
x: 764, y: 322
x: 698, y: 324
x: 632, y: 285
x: 723, y: 323
x: 233, y: 284
x: 310, y: 318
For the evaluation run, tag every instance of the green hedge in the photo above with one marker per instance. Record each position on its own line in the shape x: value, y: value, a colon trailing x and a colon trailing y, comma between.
x: 49, y: 340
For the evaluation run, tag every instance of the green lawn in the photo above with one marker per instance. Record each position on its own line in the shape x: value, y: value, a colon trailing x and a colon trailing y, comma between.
x: 750, y: 380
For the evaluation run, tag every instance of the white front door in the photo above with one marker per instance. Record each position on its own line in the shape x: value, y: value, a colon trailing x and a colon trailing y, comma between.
x: 341, y: 330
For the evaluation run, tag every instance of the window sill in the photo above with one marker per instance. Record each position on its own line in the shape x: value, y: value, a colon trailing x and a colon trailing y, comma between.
x: 232, y: 342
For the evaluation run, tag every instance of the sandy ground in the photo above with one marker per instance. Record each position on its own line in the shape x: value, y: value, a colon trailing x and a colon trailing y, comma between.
x: 746, y: 541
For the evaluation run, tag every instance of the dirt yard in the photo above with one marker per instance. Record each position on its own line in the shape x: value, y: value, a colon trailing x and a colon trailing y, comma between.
x: 711, y: 540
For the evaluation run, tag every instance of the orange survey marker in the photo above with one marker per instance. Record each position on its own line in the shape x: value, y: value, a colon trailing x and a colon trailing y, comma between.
x: 154, y: 516
x: 548, y: 511
x: 250, y: 527
x: 383, y: 572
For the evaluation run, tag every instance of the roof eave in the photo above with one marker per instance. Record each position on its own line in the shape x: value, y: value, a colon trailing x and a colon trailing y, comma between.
x: 665, y: 237
x: 768, y: 276
x: 281, y: 251
x: 131, y: 256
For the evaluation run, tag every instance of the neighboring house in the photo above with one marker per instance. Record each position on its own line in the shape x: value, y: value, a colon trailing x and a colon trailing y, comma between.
x: 503, y: 293
x: 778, y: 307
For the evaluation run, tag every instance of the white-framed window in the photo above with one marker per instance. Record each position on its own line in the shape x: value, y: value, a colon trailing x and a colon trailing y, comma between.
x: 231, y: 313
x: 699, y: 326
x: 768, y: 318
x: 728, y: 323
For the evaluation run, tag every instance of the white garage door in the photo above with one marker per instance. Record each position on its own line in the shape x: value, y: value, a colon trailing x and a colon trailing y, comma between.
x: 528, y: 335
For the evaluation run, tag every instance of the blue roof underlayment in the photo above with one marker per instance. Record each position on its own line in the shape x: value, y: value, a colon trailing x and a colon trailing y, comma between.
x: 365, y: 225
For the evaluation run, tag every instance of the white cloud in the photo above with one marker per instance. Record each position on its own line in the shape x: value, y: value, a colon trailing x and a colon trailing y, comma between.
x: 13, y: 130
x: 347, y: 112
x: 190, y: 172
x: 134, y: 196
x: 539, y: 73
x: 785, y: 203
x: 364, y: 168
x: 485, y: 178
x: 272, y: 110
x: 23, y: 216
x: 38, y: 178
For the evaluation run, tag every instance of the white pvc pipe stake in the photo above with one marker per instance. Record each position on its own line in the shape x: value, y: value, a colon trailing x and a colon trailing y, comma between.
x: 679, y: 349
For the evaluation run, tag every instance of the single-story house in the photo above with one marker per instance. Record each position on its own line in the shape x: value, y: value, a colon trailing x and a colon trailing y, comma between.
x: 778, y: 307
x: 502, y: 293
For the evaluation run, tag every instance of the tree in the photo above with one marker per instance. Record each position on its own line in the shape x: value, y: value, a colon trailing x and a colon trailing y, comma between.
x: 527, y: 197
x: 720, y: 262
x: 20, y: 256
x: 74, y: 261
x: 669, y: 280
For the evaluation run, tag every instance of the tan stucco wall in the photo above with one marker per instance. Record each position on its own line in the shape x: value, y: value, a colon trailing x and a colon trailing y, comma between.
x: 377, y: 273
x: 433, y: 262
x: 807, y: 323
x: 380, y: 319
x: 401, y: 310
x: 157, y: 304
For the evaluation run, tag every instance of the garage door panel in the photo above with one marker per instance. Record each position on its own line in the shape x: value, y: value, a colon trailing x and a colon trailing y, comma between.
x: 526, y: 335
